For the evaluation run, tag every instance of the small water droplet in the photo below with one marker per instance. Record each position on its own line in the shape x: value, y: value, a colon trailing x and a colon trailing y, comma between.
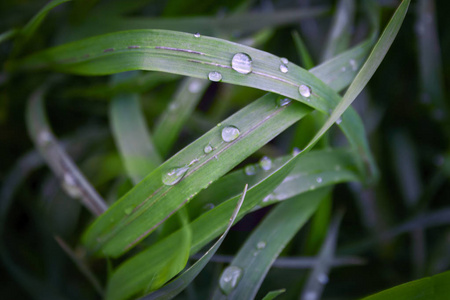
x: 229, y: 279
x: 44, y: 137
x: 208, y: 206
x: 322, y: 278
x: 197, y: 34
x: 173, y: 176
x: 215, y: 76
x: 305, y: 90
x: 296, y: 151
x: 193, y: 162
x: 70, y: 187
x: 128, y: 210
x: 250, y: 170
x: 284, y: 60
x: 319, y: 179
x: 313, y: 187
x: 343, y: 69
x: 261, y: 245
x: 242, y: 63
x: 230, y: 133
x: 310, y: 296
x: 284, y: 68
x: 353, y: 64
x: 268, y: 198
x: 208, y: 149
x: 195, y: 86
x: 338, y: 121
x: 265, y: 163
x: 283, y: 102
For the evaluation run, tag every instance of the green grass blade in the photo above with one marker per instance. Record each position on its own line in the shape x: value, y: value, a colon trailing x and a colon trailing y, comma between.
x: 429, y: 288
x: 273, y: 294
x: 268, y: 240
x: 132, y: 137
x: 178, y: 110
x: 303, y: 52
x: 181, y: 282
x: 142, y: 209
x: 319, y: 274
x: 61, y: 164
x: 9, y: 34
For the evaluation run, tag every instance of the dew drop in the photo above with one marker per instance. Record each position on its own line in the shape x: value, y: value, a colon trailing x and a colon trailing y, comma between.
x: 319, y: 179
x: 338, y: 121
x: 70, y: 187
x: 230, y: 133
x: 283, y: 102
x: 268, y: 198
x: 195, y: 86
x: 44, y: 137
x: 322, y: 278
x: 229, y: 279
x: 208, y: 149
x: 310, y: 296
x: 241, y: 63
x: 261, y: 245
x: 284, y: 68
x: 265, y: 163
x: 208, y: 206
x: 305, y: 90
x: 197, y: 34
x: 195, y: 160
x: 313, y: 187
x: 250, y: 170
x: 284, y: 60
x: 173, y: 176
x: 215, y: 76
x: 296, y: 151
x: 353, y: 64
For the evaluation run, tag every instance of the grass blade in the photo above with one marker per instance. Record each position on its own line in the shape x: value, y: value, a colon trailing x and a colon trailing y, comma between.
x: 181, y: 282
x: 273, y: 294
x: 303, y: 52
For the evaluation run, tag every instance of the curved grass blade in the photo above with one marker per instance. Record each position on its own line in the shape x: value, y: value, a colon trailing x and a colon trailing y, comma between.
x: 9, y: 34
x: 319, y: 275
x: 181, y: 282
x: 132, y: 137
x: 303, y: 52
x: 268, y: 240
x: 141, y: 210
x: 429, y: 288
x: 179, y: 109
x: 273, y: 294
x: 61, y: 164
x: 140, y: 276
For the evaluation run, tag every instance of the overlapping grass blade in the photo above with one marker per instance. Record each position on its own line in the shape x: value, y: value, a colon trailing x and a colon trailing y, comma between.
x: 429, y: 288
x: 303, y: 52
x: 178, y: 110
x: 268, y: 240
x: 141, y: 210
x: 61, y: 164
x: 319, y: 274
x: 132, y: 137
x: 181, y: 282
x: 273, y: 294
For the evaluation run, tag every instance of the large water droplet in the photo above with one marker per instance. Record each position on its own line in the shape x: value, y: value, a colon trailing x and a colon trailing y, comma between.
x: 250, y: 170
x: 305, y: 90
x: 284, y: 60
x: 284, y: 68
x: 261, y: 245
x: 173, y: 176
x: 242, y: 63
x: 208, y: 149
x: 70, y: 186
x: 197, y: 34
x: 265, y: 163
x: 230, y: 133
x: 215, y: 76
x: 283, y: 101
x: 229, y: 279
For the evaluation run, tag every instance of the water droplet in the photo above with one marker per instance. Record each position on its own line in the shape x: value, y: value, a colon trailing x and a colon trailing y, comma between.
x: 310, y: 296
x: 208, y: 206
x: 338, y: 121
x: 313, y: 187
x: 128, y: 210
x: 305, y: 90
x: 195, y: 86
x: 265, y: 163
x: 241, y: 63
x: 197, y: 34
x: 250, y: 170
x: 322, y: 278
x: 268, y: 198
x: 230, y: 133
x: 343, y: 69
x: 319, y: 179
x: 70, y: 187
x: 173, y: 176
x: 283, y: 101
x: 296, y: 151
x: 230, y: 278
x: 208, y: 149
x: 284, y: 60
x: 261, y: 245
x: 215, y: 76
x: 284, y: 68
x: 44, y: 137
x: 193, y: 162
x: 353, y: 64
